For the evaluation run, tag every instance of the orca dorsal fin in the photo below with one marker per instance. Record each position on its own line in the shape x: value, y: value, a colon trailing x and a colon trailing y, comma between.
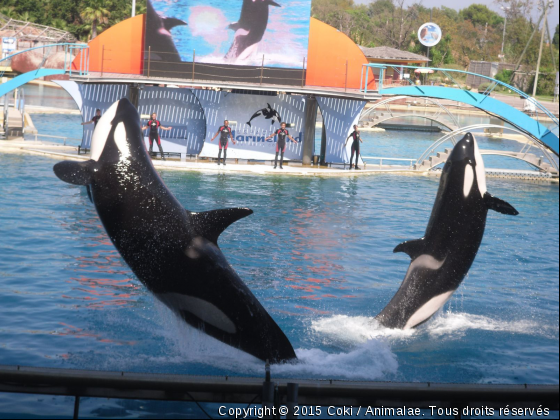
x: 501, y: 206
x: 77, y: 173
x: 211, y: 224
x: 413, y: 248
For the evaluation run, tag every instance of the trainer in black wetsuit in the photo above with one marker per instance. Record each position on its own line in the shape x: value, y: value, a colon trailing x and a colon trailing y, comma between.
x: 282, y: 133
x: 94, y: 119
x: 356, y: 140
x: 225, y: 135
x: 154, y: 125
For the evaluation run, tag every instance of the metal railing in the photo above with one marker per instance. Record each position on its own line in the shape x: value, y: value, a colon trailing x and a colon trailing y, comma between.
x: 18, y: 97
x: 524, y: 150
x: 165, y: 64
x: 447, y: 72
x: 70, y: 50
x: 63, y: 138
x: 280, y: 394
x: 381, y: 159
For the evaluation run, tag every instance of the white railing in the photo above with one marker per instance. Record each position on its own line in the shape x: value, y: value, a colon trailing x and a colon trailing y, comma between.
x: 381, y: 159
x: 63, y: 138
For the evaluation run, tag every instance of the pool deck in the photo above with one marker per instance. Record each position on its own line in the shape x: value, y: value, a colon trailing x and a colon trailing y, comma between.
x: 61, y: 152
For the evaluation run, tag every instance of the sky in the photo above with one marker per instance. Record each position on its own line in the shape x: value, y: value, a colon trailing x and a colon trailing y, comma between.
x: 461, y: 4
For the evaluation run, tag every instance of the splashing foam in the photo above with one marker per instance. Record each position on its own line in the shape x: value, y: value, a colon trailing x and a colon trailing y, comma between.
x: 346, y: 330
x: 368, y: 361
x: 458, y: 323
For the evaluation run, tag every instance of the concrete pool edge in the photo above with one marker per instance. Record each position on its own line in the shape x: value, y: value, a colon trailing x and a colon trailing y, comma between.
x: 57, y: 151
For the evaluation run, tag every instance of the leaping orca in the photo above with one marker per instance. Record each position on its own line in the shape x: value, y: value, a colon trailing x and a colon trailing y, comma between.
x: 269, y: 113
x: 158, y: 35
x: 250, y: 28
x: 174, y: 252
x: 443, y: 257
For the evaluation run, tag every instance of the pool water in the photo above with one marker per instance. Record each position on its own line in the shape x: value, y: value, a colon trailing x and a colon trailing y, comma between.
x: 317, y: 253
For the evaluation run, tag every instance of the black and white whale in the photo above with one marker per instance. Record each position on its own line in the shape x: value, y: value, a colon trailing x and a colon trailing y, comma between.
x: 249, y: 29
x: 268, y: 113
x: 173, y: 251
x: 443, y: 257
x: 158, y: 36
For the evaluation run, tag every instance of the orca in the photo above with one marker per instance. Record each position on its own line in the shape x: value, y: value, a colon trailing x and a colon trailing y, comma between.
x: 173, y: 252
x: 158, y: 36
x: 443, y: 257
x: 268, y: 113
x: 249, y: 29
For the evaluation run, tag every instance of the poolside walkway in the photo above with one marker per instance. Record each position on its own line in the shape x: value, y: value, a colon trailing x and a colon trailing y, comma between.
x: 59, y: 151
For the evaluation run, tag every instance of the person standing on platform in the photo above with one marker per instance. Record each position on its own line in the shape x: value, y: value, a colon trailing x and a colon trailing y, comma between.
x: 282, y: 133
x: 225, y: 135
x: 154, y: 125
x: 94, y: 119
x: 355, y: 145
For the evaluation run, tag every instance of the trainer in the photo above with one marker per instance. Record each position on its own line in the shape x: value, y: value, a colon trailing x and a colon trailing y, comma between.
x: 94, y: 119
x: 154, y: 125
x: 282, y: 133
x: 225, y: 135
x: 355, y: 145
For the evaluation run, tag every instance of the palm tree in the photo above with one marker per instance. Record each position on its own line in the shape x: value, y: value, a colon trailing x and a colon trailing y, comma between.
x: 96, y: 14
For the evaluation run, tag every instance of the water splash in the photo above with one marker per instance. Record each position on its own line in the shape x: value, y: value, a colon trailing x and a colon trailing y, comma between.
x: 371, y: 360
x: 346, y: 330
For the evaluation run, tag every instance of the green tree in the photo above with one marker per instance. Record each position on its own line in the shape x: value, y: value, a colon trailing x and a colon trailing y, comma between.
x: 555, y: 38
x: 479, y: 14
x: 96, y: 14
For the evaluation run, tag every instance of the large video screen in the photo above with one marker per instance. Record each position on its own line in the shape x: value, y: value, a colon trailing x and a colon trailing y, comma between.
x: 231, y: 32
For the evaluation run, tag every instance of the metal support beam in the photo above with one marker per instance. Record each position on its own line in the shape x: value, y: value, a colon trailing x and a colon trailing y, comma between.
x: 243, y: 390
x: 309, y: 133
x: 134, y: 94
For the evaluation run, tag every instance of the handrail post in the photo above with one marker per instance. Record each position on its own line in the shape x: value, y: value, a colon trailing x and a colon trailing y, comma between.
x: 102, y: 58
x: 367, y: 76
x: 193, y: 60
x: 262, y: 68
x: 303, y: 73
x: 149, y: 58
x: 346, y: 77
x: 362, y: 78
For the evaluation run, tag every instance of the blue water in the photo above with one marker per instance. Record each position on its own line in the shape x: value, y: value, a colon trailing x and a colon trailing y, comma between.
x: 318, y: 255
x: 61, y: 125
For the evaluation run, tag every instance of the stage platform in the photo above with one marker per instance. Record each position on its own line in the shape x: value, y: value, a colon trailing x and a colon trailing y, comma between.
x: 61, y: 152
x: 98, y: 77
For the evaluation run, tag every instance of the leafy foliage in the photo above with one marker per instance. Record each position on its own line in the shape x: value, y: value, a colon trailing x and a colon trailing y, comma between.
x: 473, y: 33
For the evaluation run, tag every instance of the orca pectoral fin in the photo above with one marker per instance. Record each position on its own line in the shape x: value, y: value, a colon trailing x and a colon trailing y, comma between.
x: 501, y: 206
x: 413, y: 248
x: 211, y: 224
x: 77, y: 173
x: 88, y: 190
